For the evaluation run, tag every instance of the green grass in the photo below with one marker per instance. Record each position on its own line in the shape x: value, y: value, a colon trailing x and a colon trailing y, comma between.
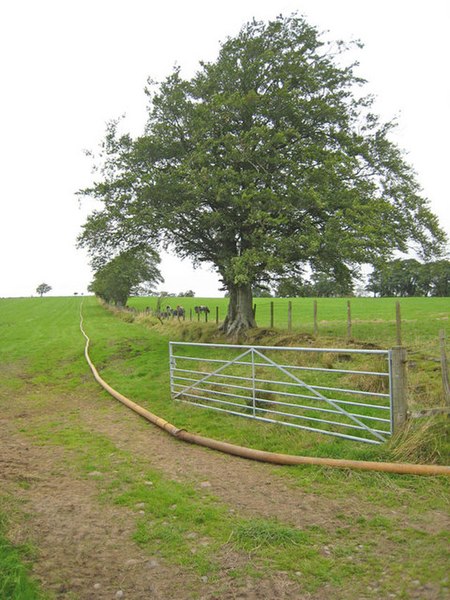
x: 16, y: 582
x: 133, y: 358
x: 41, y: 340
x: 41, y: 354
x: 373, y: 319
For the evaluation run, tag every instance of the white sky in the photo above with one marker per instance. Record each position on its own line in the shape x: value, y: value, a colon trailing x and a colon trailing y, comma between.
x: 69, y: 66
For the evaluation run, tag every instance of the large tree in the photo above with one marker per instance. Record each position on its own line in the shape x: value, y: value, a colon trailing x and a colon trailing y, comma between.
x: 115, y: 280
x: 267, y: 161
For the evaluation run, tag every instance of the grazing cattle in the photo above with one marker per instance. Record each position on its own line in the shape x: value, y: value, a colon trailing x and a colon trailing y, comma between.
x: 178, y: 312
x: 169, y: 312
x: 164, y: 314
x: 201, y: 309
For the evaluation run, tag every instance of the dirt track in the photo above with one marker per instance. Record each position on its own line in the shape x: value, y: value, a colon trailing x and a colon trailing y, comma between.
x: 85, y: 547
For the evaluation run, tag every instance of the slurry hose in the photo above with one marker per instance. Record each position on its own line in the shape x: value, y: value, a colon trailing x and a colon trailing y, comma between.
x: 260, y: 455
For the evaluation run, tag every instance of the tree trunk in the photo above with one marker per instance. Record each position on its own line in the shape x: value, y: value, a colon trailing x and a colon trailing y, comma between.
x: 240, y: 315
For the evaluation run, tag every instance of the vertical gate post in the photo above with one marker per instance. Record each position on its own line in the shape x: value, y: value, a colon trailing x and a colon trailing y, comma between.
x: 316, y: 328
x: 253, y: 383
x: 398, y: 323
x: 444, y: 368
x: 349, y: 321
x: 399, y: 388
x: 171, y: 368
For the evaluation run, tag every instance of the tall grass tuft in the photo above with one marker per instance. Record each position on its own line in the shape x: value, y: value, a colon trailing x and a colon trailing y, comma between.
x: 423, y: 440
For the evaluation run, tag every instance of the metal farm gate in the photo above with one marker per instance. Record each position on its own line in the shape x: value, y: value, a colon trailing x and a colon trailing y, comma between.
x: 346, y: 393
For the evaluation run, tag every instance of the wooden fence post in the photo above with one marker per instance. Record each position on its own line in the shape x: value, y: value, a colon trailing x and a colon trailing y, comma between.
x: 289, y: 316
x: 444, y: 368
x: 217, y: 315
x: 271, y: 314
x: 316, y: 328
x: 399, y: 388
x: 398, y: 319
x: 349, y: 321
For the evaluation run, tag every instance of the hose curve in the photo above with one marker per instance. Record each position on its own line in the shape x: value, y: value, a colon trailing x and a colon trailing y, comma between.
x: 250, y: 453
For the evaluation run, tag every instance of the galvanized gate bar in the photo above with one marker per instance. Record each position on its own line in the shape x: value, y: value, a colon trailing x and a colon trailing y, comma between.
x: 284, y: 348
x: 327, y: 400
x: 209, y: 375
x: 183, y: 386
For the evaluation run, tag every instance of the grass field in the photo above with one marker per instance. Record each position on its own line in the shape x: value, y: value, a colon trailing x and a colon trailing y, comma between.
x: 373, y: 322
x: 373, y: 319
x: 41, y: 358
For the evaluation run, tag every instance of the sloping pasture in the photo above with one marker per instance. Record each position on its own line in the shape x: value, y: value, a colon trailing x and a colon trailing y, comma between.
x: 234, y: 524
x: 373, y: 319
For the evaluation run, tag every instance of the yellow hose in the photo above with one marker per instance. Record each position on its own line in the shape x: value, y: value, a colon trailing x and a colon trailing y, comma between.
x: 260, y: 455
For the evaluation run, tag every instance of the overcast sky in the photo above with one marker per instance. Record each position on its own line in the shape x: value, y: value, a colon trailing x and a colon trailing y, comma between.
x: 69, y: 66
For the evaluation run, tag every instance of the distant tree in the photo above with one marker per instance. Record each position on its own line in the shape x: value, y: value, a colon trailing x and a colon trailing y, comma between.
x: 43, y: 288
x: 380, y: 281
x: 325, y: 285
x: 188, y: 294
x: 164, y: 294
x: 293, y: 287
x: 267, y: 161
x: 124, y: 275
x: 435, y: 278
x: 319, y: 284
x: 409, y: 277
x: 261, y: 291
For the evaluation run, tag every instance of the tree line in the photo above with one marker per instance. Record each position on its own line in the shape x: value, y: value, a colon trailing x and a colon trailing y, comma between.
x: 396, y: 278
x: 410, y: 277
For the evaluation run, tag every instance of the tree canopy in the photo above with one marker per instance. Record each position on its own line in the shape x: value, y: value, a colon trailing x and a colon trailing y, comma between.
x: 125, y: 274
x: 43, y: 288
x: 409, y: 277
x: 266, y: 162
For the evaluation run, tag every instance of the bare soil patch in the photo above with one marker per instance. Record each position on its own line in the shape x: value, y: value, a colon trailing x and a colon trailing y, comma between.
x: 85, y: 547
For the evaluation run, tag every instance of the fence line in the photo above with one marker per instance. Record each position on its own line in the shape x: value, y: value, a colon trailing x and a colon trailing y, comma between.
x: 305, y: 317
